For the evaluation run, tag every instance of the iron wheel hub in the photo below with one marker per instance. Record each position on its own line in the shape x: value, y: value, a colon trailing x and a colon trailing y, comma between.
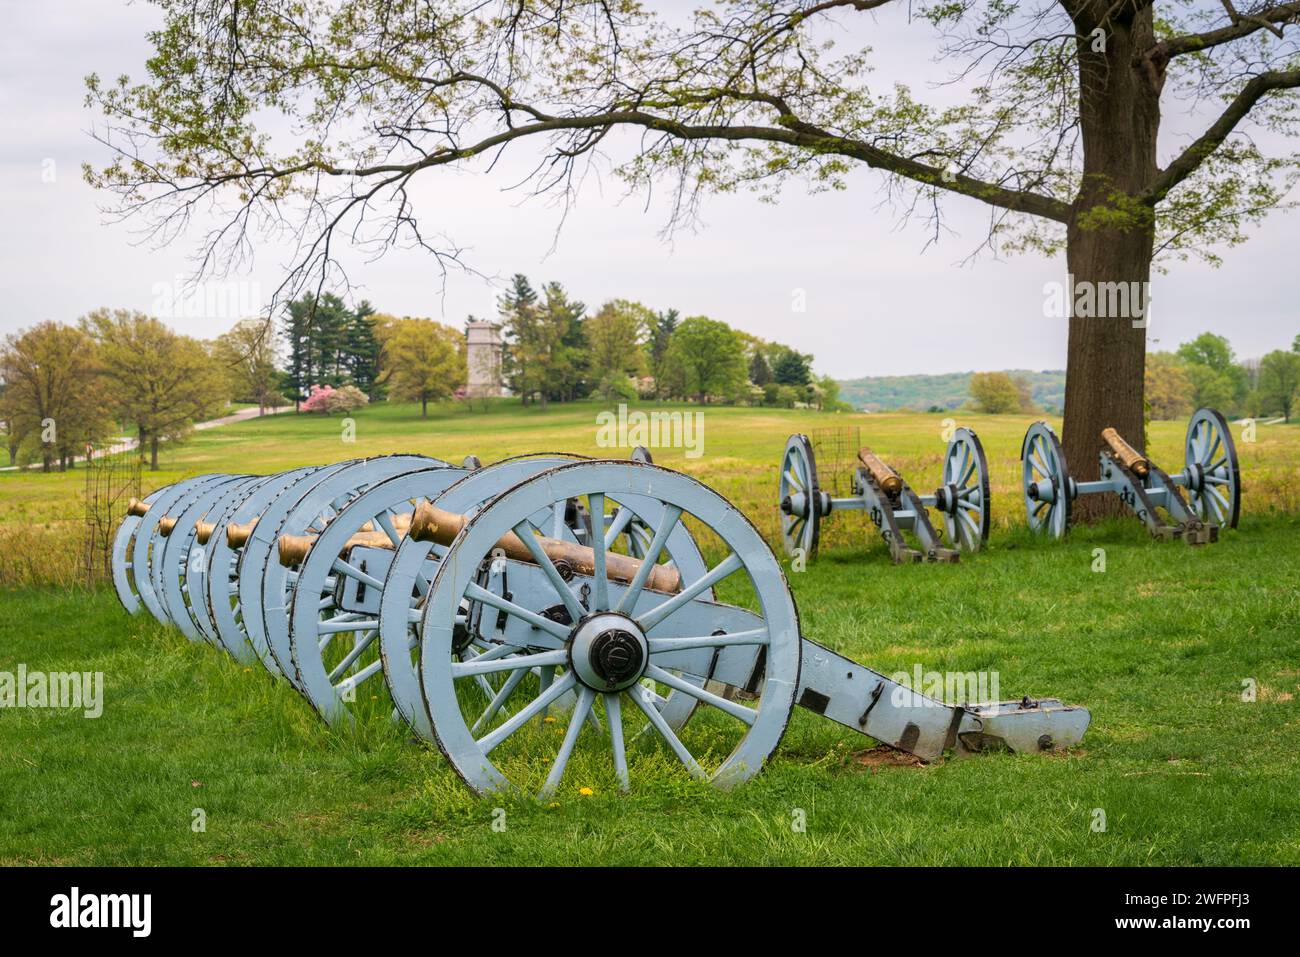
x: 608, y: 652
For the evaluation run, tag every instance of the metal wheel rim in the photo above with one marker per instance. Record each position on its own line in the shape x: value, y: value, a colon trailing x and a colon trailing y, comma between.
x: 966, y: 469
x: 799, y: 476
x: 224, y: 601
x: 321, y: 688
x: 313, y: 511
x: 749, y: 552
x: 1211, y: 451
x: 1043, y: 459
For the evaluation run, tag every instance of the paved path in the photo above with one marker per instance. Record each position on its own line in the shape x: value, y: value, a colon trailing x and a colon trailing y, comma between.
x: 128, y: 444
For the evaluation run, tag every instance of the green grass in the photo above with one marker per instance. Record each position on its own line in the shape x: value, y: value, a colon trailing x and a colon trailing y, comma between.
x: 41, y: 516
x: 1157, y: 647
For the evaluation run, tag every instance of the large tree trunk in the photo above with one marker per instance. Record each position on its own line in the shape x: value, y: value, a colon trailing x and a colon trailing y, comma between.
x: 1120, y: 118
x: 153, y: 453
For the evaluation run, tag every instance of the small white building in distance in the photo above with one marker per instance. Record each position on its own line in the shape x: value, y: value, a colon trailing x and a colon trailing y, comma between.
x: 483, y: 355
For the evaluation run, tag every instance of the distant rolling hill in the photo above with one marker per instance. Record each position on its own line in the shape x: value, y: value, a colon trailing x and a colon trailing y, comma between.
x: 922, y: 392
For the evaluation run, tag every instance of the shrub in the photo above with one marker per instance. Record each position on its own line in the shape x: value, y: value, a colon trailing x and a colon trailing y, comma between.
x: 317, y: 400
x: 347, y: 399
x: 327, y: 400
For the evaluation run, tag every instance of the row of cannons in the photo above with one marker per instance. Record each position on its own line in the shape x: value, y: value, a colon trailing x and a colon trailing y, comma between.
x: 1210, y: 480
x: 543, y: 619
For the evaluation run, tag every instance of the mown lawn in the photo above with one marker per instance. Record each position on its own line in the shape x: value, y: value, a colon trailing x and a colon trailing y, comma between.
x: 1158, y: 646
x: 41, y: 516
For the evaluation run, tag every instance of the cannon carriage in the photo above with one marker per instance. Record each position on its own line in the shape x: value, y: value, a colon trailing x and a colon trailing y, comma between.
x: 1210, y: 479
x: 962, y: 500
x: 540, y: 614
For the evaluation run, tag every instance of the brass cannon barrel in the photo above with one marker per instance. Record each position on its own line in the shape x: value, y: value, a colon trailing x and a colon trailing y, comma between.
x: 1129, y: 457
x: 166, y: 524
x: 137, y: 508
x: 293, y: 549
x: 238, y: 535
x: 888, y: 480
x: 431, y: 524
x: 203, y: 531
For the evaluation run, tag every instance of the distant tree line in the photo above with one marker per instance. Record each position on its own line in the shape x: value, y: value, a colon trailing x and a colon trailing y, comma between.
x: 331, y: 347
x: 1206, y: 372
x: 1202, y: 372
x: 67, y: 388
x: 555, y: 351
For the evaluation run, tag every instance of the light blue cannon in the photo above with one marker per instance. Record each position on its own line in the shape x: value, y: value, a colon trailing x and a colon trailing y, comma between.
x: 962, y: 499
x: 540, y: 617
x: 601, y: 667
x: 1210, y: 477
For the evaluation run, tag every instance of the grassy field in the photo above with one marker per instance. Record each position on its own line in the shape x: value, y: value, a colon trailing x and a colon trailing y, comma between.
x: 1158, y: 647
x: 42, y: 516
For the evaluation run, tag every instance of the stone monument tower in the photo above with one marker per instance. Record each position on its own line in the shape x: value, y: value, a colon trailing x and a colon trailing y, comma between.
x: 483, y: 355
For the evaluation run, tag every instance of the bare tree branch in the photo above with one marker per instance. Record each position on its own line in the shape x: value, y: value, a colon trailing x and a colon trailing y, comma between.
x: 1273, y: 19
x: 1191, y: 158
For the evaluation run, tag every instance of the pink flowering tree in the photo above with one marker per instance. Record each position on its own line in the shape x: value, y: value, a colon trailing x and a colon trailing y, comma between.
x: 318, y: 399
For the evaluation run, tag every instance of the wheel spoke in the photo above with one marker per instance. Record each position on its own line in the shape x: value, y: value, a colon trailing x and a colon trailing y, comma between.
x: 659, y: 724
x: 663, y: 646
x: 385, y: 521
x: 669, y: 522
x: 507, y: 689
x: 478, y: 593
x: 349, y: 622
x: 535, y: 707
x: 600, y: 594
x: 621, y: 519
x: 968, y: 471
x: 525, y: 532
x: 585, y: 698
x: 1037, y: 463
x: 365, y: 674
x: 370, y: 581
x: 465, y: 669
x: 716, y: 574
x: 350, y: 659
x: 614, y: 714
x: 739, y: 711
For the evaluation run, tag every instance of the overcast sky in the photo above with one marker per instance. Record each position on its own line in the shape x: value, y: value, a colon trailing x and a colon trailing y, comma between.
x: 877, y: 301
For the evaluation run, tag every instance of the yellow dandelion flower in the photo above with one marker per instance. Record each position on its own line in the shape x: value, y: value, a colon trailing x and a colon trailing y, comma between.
x: 586, y: 792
